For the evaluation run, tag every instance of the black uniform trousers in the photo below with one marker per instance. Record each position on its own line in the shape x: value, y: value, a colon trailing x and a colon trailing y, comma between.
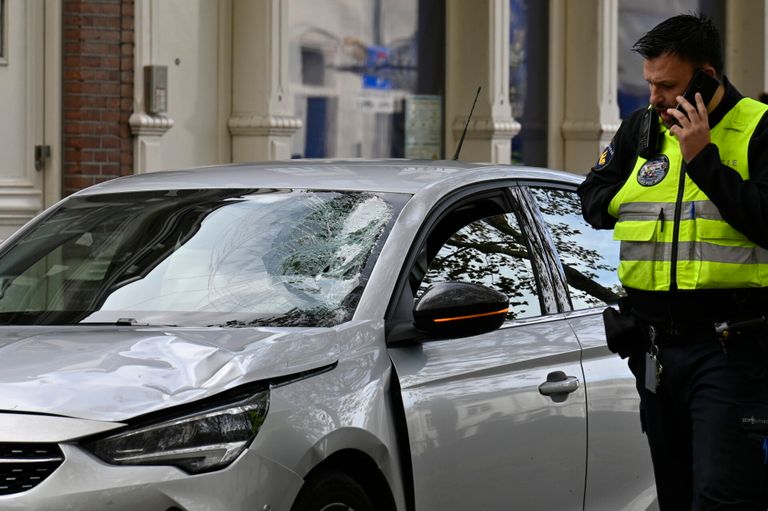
x: 707, y: 424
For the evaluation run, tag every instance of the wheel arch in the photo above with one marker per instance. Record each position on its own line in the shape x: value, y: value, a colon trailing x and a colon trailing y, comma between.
x: 364, y: 470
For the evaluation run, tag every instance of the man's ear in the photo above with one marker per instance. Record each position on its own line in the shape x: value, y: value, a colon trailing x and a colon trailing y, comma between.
x: 709, y: 70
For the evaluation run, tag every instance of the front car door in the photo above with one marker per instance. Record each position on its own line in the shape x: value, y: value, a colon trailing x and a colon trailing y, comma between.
x: 619, y: 470
x: 482, y: 435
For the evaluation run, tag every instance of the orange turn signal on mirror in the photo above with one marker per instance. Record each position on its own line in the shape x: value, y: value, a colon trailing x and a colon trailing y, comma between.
x: 443, y: 320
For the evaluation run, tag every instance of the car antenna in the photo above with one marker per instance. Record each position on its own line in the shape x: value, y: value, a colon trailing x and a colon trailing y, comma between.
x: 464, y: 133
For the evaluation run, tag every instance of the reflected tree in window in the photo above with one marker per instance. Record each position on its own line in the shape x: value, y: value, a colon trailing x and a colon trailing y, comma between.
x: 589, y: 257
x: 494, y: 253
x: 490, y: 252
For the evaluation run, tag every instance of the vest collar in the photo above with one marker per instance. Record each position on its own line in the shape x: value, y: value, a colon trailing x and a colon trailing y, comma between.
x: 730, y: 98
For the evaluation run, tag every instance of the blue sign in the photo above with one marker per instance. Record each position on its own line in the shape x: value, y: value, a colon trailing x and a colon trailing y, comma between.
x: 376, y: 82
x: 376, y: 58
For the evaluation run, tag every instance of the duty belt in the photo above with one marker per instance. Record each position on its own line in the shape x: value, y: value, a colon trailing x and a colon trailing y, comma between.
x: 676, y: 335
x: 672, y: 335
x: 729, y: 329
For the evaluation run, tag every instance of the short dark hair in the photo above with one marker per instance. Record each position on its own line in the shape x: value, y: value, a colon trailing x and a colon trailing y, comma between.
x: 692, y: 37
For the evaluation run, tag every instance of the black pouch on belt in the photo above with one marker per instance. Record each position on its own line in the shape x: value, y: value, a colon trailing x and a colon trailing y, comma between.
x: 624, y: 334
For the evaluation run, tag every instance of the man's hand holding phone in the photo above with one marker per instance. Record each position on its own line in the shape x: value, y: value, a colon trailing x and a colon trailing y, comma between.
x: 692, y: 126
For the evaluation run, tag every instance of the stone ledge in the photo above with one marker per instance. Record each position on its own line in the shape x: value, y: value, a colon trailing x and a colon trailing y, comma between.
x: 145, y: 124
x: 485, y: 128
x: 587, y: 130
x: 280, y: 125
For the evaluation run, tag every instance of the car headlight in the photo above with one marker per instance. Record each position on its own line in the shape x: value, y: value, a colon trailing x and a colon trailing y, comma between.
x: 198, y: 442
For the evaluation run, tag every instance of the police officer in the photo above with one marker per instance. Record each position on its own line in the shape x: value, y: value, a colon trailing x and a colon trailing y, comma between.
x: 686, y: 192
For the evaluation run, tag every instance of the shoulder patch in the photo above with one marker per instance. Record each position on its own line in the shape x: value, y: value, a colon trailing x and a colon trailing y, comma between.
x: 653, y: 171
x: 605, y: 157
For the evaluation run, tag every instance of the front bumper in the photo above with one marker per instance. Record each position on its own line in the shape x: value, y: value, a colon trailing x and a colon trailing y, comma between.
x: 83, y: 483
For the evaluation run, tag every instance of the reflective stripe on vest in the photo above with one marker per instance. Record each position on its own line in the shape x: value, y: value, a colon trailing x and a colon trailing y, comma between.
x: 650, y: 210
x: 709, y: 252
x: 694, y: 250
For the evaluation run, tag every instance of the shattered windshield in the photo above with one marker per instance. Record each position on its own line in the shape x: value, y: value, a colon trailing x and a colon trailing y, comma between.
x: 197, y: 258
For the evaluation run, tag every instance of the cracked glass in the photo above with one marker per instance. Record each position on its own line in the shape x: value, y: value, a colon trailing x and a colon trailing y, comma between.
x: 197, y: 257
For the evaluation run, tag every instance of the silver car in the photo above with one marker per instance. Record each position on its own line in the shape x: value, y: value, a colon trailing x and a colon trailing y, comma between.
x: 306, y: 335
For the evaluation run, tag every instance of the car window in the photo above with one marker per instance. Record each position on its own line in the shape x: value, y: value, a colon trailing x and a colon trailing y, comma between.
x: 490, y: 251
x: 589, y: 257
x: 197, y: 257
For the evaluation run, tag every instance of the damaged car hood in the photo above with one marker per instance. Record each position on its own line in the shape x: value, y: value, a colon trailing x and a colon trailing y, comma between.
x: 115, y: 373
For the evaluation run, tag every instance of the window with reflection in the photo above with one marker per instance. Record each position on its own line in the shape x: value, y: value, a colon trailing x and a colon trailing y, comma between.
x: 528, y: 76
x: 491, y: 252
x: 590, y: 257
x: 356, y: 67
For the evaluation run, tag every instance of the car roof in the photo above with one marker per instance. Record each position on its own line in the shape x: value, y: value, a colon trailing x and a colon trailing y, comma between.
x: 398, y: 176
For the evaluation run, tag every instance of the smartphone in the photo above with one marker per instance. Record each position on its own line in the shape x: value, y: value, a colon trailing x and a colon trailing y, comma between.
x: 702, y: 83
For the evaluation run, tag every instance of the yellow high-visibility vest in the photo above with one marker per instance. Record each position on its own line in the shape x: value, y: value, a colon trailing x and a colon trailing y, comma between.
x: 665, y: 222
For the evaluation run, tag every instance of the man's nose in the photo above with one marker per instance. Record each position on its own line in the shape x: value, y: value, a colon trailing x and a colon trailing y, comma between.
x: 656, y: 97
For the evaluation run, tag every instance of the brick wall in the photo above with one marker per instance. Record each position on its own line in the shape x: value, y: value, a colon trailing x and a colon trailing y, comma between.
x: 98, y: 43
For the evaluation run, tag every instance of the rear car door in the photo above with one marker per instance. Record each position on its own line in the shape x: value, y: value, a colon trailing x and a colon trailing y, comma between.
x: 619, y: 470
x: 482, y: 433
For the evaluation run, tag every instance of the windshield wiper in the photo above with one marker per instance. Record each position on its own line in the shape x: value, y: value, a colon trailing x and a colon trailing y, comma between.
x: 317, y: 317
x: 122, y: 322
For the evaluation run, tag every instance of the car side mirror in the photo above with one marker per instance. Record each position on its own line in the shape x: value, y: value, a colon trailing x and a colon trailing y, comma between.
x: 460, y: 309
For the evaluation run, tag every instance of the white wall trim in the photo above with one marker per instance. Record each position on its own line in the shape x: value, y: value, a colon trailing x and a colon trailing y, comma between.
x: 52, y: 185
x: 143, y: 124
x: 281, y: 125
x: 486, y: 128
x: 19, y: 205
x: 588, y: 130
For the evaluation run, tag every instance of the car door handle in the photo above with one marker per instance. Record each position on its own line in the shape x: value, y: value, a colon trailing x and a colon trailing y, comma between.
x: 558, y: 383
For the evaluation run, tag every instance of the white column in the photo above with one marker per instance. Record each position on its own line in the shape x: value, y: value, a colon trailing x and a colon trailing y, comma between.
x: 745, y: 45
x: 146, y: 128
x: 477, y: 54
x: 588, y: 87
x: 764, y: 47
x: 262, y: 120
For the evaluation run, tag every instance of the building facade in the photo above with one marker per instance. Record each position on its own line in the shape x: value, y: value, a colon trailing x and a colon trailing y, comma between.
x: 97, y: 89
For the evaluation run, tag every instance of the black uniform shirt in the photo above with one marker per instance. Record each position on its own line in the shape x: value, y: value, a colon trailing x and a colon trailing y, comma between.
x: 743, y: 204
